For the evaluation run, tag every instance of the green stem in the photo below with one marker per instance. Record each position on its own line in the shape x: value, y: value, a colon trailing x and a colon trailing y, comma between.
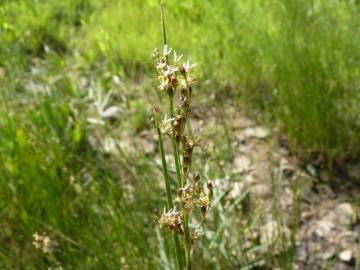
x: 181, y: 183
x: 175, y: 147
x: 163, y: 30
x: 187, y: 240
x: 177, y: 155
x: 187, y: 232
x: 168, y: 192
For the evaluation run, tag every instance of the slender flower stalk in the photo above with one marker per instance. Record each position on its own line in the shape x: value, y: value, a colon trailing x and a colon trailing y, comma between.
x: 170, y: 203
x: 180, y: 179
x: 174, y: 79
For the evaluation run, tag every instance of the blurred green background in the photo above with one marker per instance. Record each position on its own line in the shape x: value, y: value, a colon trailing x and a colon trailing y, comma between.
x: 293, y: 64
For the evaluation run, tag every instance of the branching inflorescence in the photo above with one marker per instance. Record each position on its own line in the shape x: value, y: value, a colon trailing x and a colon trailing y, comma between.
x: 175, y: 80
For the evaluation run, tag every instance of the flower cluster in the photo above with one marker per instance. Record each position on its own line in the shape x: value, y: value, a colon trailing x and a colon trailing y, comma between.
x: 170, y: 220
x: 44, y: 242
x: 175, y: 79
x: 194, y: 195
x: 172, y: 77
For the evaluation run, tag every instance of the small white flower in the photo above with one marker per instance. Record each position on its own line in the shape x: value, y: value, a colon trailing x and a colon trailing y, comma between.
x: 183, y: 84
x: 171, y: 70
x: 166, y: 51
x: 164, y: 84
x: 160, y: 67
x: 44, y: 242
x: 177, y: 58
x: 165, y: 126
x: 188, y: 67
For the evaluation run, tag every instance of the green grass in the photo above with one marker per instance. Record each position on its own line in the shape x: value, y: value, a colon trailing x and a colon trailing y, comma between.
x: 295, y: 62
x: 53, y: 181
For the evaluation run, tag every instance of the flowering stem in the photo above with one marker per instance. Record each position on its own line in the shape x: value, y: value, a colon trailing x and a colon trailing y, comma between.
x: 168, y: 191
x: 175, y: 147
x: 181, y: 183
x: 187, y: 232
x: 176, y: 154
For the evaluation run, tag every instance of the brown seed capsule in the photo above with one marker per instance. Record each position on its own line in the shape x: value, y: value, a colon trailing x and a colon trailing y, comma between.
x: 203, y: 211
x: 196, y: 188
x: 182, y: 70
x: 186, y: 158
x: 210, y: 190
x: 180, y: 193
x: 177, y: 125
x: 177, y: 137
x: 196, y: 177
x: 209, y: 185
x: 174, y: 81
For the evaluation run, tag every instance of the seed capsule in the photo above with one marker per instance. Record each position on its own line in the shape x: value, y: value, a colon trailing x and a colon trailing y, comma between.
x: 203, y: 212
x: 174, y: 81
x: 196, y: 177
x: 182, y: 70
x: 210, y: 190
x: 176, y: 125
x: 180, y: 193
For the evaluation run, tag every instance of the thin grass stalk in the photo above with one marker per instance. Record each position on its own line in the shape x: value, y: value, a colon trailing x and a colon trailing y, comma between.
x: 170, y: 203
x: 164, y: 164
x: 181, y: 183
x: 176, y: 154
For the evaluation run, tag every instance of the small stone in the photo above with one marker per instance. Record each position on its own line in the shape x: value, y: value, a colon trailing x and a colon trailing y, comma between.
x: 256, y: 132
x: 346, y: 255
x: 346, y: 214
x: 110, y: 113
x: 242, y: 164
x: 259, y: 190
x: 323, y: 228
